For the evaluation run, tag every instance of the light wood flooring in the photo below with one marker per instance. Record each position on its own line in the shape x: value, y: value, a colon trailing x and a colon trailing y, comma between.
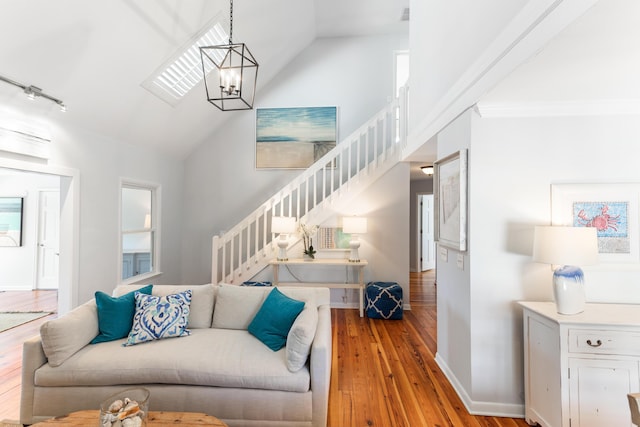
x: 383, y: 372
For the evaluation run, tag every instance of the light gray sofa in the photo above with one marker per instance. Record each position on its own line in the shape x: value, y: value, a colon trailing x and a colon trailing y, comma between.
x: 220, y: 369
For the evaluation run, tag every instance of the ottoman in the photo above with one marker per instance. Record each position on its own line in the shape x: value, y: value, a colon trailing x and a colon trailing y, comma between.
x: 383, y: 300
x: 251, y: 283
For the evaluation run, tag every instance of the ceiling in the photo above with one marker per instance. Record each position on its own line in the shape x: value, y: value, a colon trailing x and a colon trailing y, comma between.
x: 95, y: 54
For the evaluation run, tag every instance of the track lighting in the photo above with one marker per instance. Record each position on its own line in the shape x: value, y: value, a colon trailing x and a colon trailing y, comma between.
x: 34, y: 92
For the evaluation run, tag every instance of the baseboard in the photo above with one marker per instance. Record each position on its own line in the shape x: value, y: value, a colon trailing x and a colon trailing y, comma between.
x: 493, y: 409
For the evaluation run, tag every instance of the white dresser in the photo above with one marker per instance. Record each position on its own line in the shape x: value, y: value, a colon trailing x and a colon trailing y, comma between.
x: 578, y: 369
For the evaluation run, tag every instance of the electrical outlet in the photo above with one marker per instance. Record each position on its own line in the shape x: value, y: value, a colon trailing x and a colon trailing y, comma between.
x: 444, y: 254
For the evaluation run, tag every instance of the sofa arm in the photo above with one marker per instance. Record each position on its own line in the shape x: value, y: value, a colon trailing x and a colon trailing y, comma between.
x: 320, y: 367
x: 33, y: 357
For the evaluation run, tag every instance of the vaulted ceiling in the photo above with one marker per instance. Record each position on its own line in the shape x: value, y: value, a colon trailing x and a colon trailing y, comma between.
x: 95, y: 54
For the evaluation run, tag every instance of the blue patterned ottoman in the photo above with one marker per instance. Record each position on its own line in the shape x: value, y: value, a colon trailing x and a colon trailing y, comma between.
x: 383, y: 300
x: 251, y: 283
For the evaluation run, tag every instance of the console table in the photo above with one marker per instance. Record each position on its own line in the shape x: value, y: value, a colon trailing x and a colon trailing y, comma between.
x: 358, y: 267
x: 579, y: 368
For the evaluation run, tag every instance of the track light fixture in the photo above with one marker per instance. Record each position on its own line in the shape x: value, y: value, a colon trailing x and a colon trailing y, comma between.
x: 34, y: 92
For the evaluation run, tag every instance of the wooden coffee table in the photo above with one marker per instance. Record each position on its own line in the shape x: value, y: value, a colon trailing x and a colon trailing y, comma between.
x: 156, y: 419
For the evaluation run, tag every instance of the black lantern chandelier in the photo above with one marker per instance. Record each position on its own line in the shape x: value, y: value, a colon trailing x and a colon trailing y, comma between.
x: 230, y: 73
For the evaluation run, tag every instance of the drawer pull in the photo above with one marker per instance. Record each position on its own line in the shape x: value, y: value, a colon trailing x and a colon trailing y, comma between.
x: 597, y: 344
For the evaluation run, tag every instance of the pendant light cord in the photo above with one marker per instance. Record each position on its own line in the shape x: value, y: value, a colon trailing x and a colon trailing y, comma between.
x: 230, y: 21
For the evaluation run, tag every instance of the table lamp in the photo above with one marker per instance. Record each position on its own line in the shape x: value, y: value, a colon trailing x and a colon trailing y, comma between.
x: 283, y: 225
x: 567, y: 247
x: 354, y: 225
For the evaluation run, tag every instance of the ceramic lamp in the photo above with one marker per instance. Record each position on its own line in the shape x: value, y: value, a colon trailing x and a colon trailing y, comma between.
x: 354, y: 225
x: 569, y: 248
x: 283, y: 225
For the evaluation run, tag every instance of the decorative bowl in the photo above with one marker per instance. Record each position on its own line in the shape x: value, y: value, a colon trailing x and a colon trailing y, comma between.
x: 126, y: 408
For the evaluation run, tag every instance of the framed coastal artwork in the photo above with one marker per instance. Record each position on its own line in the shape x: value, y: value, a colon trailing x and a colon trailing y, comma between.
x: 330, y: 238
x: 294, y: 138
x: 610, y: 208
x: 450, y: 199
x: 11, y: 221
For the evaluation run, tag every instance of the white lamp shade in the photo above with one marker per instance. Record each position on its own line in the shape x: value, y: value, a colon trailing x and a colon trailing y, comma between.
x: 283, y: 224
x: 565, y: 245
x: 354, y: 224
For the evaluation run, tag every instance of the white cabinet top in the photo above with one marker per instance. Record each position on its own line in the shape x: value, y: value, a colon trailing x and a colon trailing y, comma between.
x: 600, y: 314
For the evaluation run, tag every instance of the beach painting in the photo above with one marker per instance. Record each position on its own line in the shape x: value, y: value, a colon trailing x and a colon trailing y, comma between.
x: 294, y: 138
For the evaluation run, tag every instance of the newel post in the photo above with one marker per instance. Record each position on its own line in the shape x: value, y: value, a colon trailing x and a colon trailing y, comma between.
x: 214, y: 259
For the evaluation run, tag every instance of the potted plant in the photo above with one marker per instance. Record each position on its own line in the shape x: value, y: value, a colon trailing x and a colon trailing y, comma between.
x: 307, y: 231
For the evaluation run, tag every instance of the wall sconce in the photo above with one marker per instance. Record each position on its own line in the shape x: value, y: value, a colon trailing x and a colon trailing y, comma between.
x: 567, y: 247
x: 355, y: 225
x: 283, y: 225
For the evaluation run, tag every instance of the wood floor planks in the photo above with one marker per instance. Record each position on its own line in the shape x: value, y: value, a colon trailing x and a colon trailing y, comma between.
x: 383, y: 372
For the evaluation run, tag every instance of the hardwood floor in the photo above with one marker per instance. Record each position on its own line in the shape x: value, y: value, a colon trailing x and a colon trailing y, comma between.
x: 11, y: 343
x: 383, y: 372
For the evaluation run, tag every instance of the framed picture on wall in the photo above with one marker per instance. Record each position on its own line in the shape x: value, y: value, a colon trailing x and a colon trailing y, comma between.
x: 331, y: 238
x: 294, y: 138
x: 11, y: 221
x: 610, y: 208
x: 450, y: 199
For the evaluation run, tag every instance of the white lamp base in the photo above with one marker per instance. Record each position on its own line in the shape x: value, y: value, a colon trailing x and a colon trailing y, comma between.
x: 354, y: 244
x: 568, y: 290
x: 283, y: 242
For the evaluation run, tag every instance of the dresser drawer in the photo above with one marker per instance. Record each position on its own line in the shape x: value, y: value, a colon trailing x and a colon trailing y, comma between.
x: 604, y: 342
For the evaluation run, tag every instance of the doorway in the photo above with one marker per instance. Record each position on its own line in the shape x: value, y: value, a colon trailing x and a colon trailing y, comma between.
x: 48, y: 251
x: 69, y: 228
x: 426, y: 243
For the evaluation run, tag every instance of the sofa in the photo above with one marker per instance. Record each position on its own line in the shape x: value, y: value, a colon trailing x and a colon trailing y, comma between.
x: 219, y: 367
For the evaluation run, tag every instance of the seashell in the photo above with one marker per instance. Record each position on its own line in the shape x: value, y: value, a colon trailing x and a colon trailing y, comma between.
x: 117, y: 423
x: 129, y: 410
x: 116, y: 406
x: 132, y: 422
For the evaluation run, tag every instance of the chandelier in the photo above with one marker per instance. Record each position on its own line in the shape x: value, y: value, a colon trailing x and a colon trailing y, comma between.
x: 230, y: 73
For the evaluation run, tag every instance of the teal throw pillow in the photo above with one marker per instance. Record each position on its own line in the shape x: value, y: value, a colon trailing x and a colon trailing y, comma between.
x: 160, y: 317
x: 115, y: 314
x: 274, y: 319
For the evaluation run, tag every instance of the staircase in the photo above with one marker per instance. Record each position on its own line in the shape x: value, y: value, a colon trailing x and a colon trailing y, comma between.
x: 312, y: 197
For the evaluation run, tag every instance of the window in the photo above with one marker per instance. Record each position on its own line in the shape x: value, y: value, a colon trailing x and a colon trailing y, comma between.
x: 138, y: 230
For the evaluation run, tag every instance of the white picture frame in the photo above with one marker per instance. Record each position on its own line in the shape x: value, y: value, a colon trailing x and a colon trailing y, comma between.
x: 450, y: 199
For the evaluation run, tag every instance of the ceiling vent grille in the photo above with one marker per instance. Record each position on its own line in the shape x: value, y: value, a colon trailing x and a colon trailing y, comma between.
x: 183, y: 71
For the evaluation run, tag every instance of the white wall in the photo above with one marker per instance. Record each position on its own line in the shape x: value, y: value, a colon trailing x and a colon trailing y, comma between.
x: 221, y: 182
x: 453, y: 297
x: 446, y: 38
x: 101, y: 163
x: 512, y: 164
x: 18, y: 270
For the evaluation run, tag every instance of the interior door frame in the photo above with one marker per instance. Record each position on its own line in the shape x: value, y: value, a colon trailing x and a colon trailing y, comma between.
x: 419, y: 244
x: 69, y: 227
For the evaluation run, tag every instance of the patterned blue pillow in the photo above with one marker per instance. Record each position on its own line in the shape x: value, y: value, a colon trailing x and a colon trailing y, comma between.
x: 160, y: 317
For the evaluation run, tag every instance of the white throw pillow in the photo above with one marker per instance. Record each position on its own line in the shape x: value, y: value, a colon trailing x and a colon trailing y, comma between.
x: 301, y: 336
x: 236, y: 306
x: 63, y: 337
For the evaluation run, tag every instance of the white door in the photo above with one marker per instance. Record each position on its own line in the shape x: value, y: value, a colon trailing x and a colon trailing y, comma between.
x: 427, y: 245
x: 48, y: 239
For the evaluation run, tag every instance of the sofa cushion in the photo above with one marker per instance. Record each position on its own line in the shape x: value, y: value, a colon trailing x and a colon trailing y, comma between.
x: 301, y: 336
x: 209, y: 357
x: 273, y: 321
x: 160, y: 317
x: 115, y: 314
x: 64, y: 336
x: 202, y: 300
x: 236, y: 306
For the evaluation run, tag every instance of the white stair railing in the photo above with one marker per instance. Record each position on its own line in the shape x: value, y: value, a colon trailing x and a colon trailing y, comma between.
x: 343, y: 172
